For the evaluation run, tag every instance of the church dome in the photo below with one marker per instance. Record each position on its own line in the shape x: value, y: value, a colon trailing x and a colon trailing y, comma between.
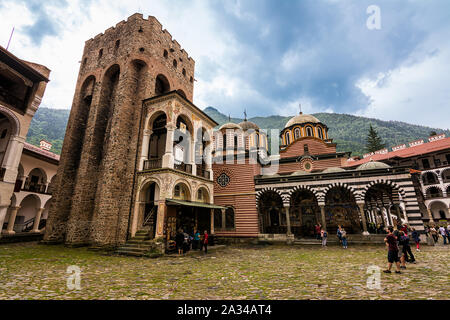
x: 230, y: 125
x: 333, y: 169
x: 373, y: 165
x: 246, y: 125
x: 300, y: 119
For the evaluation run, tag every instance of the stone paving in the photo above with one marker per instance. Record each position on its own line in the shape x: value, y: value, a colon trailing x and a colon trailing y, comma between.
x: 33, y: 271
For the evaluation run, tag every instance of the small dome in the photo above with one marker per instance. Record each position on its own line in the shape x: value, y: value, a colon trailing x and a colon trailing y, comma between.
x: 230, y: 125
x: 333, y: 169
x: 299, y: 173
x: 373, y: 165
x: 246, y: 125
x: 300, y: 119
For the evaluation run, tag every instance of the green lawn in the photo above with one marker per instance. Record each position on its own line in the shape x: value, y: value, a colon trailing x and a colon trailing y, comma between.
x: 32, y: 271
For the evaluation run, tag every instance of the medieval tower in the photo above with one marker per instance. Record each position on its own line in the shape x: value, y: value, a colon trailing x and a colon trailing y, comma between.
x: 130, y: 62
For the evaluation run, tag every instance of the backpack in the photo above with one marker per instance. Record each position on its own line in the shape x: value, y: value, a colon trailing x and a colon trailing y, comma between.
x: 325, y: 234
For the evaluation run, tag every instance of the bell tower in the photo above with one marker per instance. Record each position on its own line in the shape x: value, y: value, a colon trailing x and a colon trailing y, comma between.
x: 119, y: 68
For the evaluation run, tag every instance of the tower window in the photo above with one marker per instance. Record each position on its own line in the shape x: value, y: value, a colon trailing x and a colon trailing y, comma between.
x: 319, y: 132
x: 100, y: 53
x: 184, y: 72
x: 305, y: 148
x: 117, y: 44
x: 140, y: 29
x: 191, y: 79
x: 309, y: 131
x: 165, y: 54
x: 175, y: 63
x: 287, y: 137
x: 141, y: 49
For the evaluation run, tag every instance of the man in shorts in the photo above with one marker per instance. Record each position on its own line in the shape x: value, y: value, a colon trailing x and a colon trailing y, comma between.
x: 391, y: 243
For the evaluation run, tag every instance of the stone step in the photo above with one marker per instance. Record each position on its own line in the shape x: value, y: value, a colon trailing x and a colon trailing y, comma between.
x: 137, y: 246
x: 132, y: 249
x: 130, y: 253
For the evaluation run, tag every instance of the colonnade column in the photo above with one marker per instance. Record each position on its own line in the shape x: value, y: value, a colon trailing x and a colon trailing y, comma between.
x: 212, y: 221
x: 3, y: 211
x: 192, y: 155
x: 160, y: 219
x: 37, y: 219
x: 145, y: 146
x: 12, y: 220
x: 322, y: 215
x: 288, y: 220
x: 363, y: 218
x: 12, y: 157
x: 168, y: 158
x: 223, y: 218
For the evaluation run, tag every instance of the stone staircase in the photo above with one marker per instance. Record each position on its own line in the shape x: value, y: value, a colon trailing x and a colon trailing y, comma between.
x: 140, y: 245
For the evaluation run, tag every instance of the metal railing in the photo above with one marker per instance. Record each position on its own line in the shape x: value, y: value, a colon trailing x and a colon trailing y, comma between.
x: 183, y: 167
x: 152, y: 164
x: 38, y: 188
x: 202, y: 172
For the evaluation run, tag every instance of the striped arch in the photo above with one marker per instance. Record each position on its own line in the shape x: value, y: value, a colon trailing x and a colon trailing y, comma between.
x: 393, y: 185
x: 434, y: 186
x: 299, y: 188
x: 341, y: 185
x: 262, y: 191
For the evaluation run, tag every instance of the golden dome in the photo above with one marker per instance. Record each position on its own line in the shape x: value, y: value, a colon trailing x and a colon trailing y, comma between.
x: 302, y: 118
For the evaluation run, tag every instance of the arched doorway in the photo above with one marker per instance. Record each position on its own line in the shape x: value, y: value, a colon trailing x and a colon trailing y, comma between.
x: 182, y: 144
x: 161, y: 85
x: 27, y: 213
x: 341, y: 210
x: 304, y: 213
x: 36, y: 181
x: 149, y: 197
x: 270, y: 207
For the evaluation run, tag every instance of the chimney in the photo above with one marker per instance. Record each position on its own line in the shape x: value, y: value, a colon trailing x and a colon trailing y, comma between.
x: 45, y: 145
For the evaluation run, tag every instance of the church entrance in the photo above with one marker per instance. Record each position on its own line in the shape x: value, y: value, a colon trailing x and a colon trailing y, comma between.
x: 304, y: 213
x: 271, y: 215
x: 341, y: 210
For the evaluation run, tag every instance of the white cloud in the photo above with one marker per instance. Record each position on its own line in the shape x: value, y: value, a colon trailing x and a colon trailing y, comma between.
x: 415, y: 92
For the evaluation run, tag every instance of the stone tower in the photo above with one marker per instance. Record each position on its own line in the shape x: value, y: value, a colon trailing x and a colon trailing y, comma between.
x: 132, y: 61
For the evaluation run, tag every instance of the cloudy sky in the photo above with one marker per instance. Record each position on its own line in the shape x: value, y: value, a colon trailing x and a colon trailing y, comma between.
x: 266, y: 56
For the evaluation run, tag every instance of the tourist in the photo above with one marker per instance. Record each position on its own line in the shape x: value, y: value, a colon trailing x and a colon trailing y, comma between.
x: 448, y: 233
x: 407, y: 254
x: 317, y: 230
x: 196, y: 243
x: 391, y: 244
x: 339, y: 234
x: 344, y: 238
x: 205, y: 241
x: 443, y: 234
x: 324, y: 236
x: 416, y: 237
x: 186, y: 242
x: 434, y: 234
x: 179, y: 239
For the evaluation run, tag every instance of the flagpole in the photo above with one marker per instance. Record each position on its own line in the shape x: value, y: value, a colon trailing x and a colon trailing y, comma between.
x: 10, y: 37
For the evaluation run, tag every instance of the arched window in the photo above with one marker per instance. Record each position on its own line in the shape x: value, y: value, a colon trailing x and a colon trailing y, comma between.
x: 218, y: 219
x: 297, y: 133
x: 288, y: 138
x: 235, y: 141
x: 309, y: 132
x: 224, y: 141
x: 257, y: 140
x: 165, y: 54
x: 175, y: 63
x: 229, y: 218
x: 161, y: 85
x: 181, y: 192
x: 184, y: 72
x: 100, y: 53
x: 319, y: 132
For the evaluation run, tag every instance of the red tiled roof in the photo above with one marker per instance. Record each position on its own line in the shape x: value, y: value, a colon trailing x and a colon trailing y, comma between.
x: 40, y: 151
x: 406, y: 153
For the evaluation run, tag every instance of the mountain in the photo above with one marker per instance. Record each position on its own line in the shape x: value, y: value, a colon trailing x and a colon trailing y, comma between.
x: 49, y: 124
x: 348, y: 131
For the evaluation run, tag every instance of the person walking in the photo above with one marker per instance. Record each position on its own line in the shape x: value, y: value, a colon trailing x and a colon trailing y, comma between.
x: 391, y: 244
x: 196, y: 242
x: 344, y: 238
x: 434, y: 234
x: 205, y: 241
x: 443, y: 234
x: 416, y: 237
x: 179, y: 239
x: 406, y: 250
x: 317, y: 229
x: 324, y: 236
x: 447, y: 230
x: 339, y: 234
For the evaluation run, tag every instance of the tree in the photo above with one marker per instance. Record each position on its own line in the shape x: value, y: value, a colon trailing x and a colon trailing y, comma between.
x: 374, y: 142
x: 433, y: 133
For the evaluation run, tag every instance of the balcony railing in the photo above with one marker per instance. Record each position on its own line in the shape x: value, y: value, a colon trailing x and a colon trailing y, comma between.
x: 202, y: 172
x: 183, y: 167
x: 38, y: 188
x: 152, y: 164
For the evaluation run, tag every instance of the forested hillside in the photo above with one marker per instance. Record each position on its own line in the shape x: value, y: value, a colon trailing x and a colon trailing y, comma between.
x: 349, y: 132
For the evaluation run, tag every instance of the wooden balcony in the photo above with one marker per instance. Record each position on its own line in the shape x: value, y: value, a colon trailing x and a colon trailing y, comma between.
x: 202, y: 172
x: 152, y: 164
x: 183, y: 167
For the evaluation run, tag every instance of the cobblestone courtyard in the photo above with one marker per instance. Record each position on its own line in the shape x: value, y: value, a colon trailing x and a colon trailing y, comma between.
x: 32, y: 271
